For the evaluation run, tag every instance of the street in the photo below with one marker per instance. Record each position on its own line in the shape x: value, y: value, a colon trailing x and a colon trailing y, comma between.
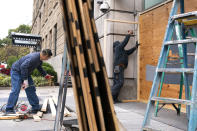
x: 129, y: 114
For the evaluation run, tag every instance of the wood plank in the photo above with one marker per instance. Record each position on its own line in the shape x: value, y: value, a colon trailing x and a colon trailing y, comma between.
x: 44, y: 106
x: 87, y: 28
x: 54, y: 100
x: 75, y: 78
x: 80, y: 108
x: 83, y: 69
x: 106, y: 98
x: 66, y: 112
x: 122, y: 128
x: 122, y: 21
x: 126, y: 101
x: 52, y: 107
x: 9, y: 117
x: 36, y: 118
x: 40, y: 114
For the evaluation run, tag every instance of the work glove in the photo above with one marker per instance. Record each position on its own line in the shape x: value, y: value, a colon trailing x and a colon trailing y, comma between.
x: 48, y: 77
x: 137, y: 44
x: 25, y: 84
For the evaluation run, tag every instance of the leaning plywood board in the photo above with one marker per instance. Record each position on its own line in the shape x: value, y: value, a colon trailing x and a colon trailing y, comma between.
x: 80, y: 108
x: 151, y: 31
x: 84, y: 74
x: 52, y: 106
x: 91, y: 54
x: 44, y: 106
x: 106, y: 98
x: 82, y: 67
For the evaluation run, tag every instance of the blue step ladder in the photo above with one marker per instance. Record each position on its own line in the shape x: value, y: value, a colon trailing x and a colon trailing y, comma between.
x: 176, y: 23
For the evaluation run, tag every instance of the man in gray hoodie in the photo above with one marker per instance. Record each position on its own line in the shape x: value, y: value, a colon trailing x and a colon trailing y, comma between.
x: 120, y: 63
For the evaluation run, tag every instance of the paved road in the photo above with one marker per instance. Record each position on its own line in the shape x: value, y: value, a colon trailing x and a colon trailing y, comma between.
x: 130, y: 114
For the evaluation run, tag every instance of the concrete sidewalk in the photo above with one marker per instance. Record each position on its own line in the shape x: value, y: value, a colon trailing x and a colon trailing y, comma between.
x: 131, y: 115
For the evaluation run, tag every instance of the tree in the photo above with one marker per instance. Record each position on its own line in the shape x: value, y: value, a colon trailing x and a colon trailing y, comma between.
x: 7, y: 50
x: 21, y: 29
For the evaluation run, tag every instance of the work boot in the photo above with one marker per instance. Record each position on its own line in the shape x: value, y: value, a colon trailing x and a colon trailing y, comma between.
x: 34, y: 111
x: 10, y: 112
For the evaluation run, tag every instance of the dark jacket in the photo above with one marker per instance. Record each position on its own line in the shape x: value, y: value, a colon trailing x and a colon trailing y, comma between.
x: 120, y: 54
x: 27, y: 64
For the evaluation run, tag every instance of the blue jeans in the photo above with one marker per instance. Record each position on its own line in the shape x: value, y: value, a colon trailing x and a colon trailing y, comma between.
x: 118, y: 83
x: 16, y: 82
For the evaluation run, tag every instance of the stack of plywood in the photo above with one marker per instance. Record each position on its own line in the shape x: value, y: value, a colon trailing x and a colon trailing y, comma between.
x: 94, y: 104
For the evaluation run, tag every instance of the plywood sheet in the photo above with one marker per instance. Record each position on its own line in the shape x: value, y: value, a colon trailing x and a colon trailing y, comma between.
x: 152, y: 29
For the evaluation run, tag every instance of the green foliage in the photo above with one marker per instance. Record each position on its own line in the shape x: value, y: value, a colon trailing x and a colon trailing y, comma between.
x: 40, y: 81
x: 47, y: 65
x: 49, y: 69
x: 11, y: 60
x: 5, y: 41
x: 5, y: 81
x: 21, y: 29
x: 7, y: 51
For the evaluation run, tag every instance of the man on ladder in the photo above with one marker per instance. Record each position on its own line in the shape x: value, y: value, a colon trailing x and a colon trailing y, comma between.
x: 120, y: 63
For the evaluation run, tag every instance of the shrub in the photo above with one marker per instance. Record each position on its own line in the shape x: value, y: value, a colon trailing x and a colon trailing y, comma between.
x: 47, y: 65
x: 11, y: 60
x: 5, y: 71
x: 40, y: 81
x: 6, y: 81
x: 49, y: 70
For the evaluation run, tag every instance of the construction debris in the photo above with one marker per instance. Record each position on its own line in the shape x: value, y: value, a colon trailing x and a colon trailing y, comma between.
x: 52, y: 107
x: 66, y: 112
x: 36, y: 118
x: 40, y: 114
x: 13, y: 116
x: 44, y: 106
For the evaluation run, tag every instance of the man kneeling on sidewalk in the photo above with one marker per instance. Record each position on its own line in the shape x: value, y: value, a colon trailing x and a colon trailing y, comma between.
x: 21, y: 77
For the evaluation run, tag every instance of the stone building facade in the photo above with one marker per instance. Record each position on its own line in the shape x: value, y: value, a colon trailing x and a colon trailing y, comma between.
x: 48, y: 22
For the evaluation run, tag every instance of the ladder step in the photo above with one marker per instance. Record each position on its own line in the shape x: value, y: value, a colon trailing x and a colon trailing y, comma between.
x: 190, y: 22
x: 171, y: 100
x: 149, y: 129
x: 191, y: 54
x: 184, y: 15
x: 186, y: 41
x: 175, y: 70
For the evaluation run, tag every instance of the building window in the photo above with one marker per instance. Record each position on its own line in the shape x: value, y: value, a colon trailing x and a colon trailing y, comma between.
x: 55, y: 40
x: 46, y: 38
x: 42, y: 45
x: 40, y: 22
x: 150, y: 3
x: 50, y: 39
